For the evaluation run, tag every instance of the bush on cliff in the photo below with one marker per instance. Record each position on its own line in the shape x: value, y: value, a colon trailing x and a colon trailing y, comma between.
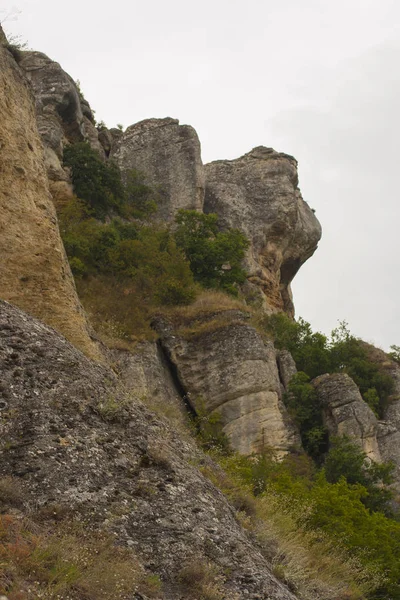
x: 316, y: 354
x: 124, y: 269
x: 103, y: 189
x: 327, y: 515
x: 215, y: 257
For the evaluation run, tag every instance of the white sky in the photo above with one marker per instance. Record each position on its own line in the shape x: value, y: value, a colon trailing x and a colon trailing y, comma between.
x: 313, y: 78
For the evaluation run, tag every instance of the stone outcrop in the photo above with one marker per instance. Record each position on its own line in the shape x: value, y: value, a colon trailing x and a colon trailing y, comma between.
x: 346, y: 414
x: 34, y: 271
x: 63, y: 116
x: 389, y: 427
x: 226, y: 369
x: 258, y: 194
x: 168, y: 154
x: 287, y: 368
x: 76, y: 440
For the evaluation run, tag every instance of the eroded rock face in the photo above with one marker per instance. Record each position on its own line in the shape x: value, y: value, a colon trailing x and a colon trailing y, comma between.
x: 63, y: 116
x: 258, y: 194
x: 34, y: 271
x: 75, y: 438
x: 228, y: 370
x: 287, y: 367
x: 345, y: 412
x: 389, y: 428
x: 169, y: 155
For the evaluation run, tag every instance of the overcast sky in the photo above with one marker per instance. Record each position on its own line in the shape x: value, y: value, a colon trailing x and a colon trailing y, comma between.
x: 313, y: 78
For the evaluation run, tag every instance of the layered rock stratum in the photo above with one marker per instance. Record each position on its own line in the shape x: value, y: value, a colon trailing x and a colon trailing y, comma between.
x: 34, y: 270
x: 228, y: 371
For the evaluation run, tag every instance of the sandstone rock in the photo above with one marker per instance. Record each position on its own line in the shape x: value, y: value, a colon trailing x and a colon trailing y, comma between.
x: 345, y: 412
x: 258, y: 194
x: 106, y: 139
x: 287, y: 367
x: 75, y: 438
x: 146, y: 373
x: 169, y: 155
x: 63, y: 115
x: 228, y: 370
x: 389, y: 427
x: 34, y: 271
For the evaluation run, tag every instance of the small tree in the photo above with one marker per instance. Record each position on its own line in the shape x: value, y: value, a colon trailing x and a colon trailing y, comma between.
x: 346, y: 459
x: 215, y: 257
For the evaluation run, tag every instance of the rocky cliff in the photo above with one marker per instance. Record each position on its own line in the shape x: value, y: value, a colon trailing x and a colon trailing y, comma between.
x: 78, y: 439
x: 169, y: 155
x: 226, y: 370
x: 345, y: 412
x: 63, y: 116
x: 258, y: 194
x: 84, y: 438
x: 34, y: 271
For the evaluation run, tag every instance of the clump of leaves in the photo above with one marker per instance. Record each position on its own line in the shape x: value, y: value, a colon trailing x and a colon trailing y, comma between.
x: 215, y: 256
x: 316, y: 354
x: 102, y: 188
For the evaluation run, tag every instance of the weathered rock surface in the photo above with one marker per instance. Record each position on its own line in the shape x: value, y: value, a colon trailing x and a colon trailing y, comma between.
x: 258, y: 194
x: 228, y: 370
x: 73, y: 437
x: 345, y: 412
x: 34, y: 271
x: 63, y: 116
x: 389, y: 428
x: 169, y: 155
x: 287, y: 367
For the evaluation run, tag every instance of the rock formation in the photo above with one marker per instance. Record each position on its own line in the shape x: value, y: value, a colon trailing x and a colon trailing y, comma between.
x: 169, y: 156
x: 63, y: 116
x: 34, y: 271
x: 345, y: 412
x: 226, y: 369
x: 389, y: 427
x: 76, y: 440
x: 258, y: 194
x: 287, y: 368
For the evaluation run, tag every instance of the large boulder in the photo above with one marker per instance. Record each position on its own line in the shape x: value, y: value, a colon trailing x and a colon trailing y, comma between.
x: 346, y: 414
x: 258, y: 194
x: 226, y: 370
x: 168, y: 154
x: 34, y: 271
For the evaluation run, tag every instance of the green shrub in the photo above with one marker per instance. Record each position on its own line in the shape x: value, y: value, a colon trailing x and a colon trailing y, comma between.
x: 346, y: 459
x: 215, y: 257
x: 304, y: 407
x: 326, y: 506
x: 316, y: 354
x: 96, y: 182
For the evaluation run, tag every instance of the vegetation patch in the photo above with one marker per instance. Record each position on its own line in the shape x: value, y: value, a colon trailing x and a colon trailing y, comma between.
x: 65, y: 560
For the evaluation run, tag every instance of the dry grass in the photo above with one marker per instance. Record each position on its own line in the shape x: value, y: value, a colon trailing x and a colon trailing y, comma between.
x: 309, y: 563
x: 120, y: 317
x: 66, y: 561
x: 172, y: 413
x: 202, y: 580
x: 10, y: 492
x: 206, y: 304
x: 199, y: 328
